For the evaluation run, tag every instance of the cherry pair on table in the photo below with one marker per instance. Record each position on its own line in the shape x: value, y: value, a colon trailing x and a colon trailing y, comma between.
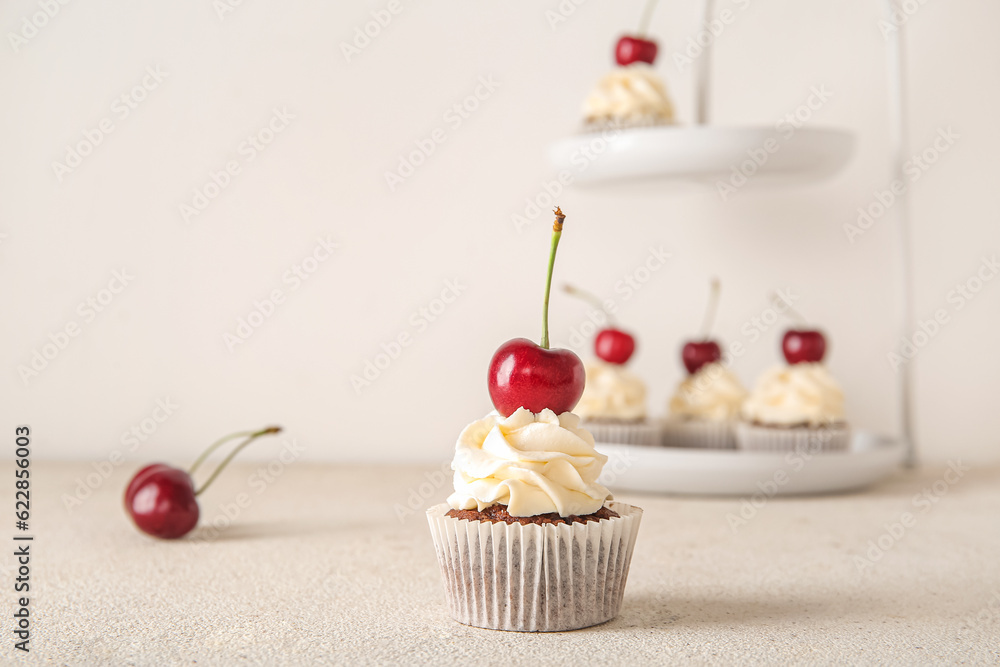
x: 162, y: 500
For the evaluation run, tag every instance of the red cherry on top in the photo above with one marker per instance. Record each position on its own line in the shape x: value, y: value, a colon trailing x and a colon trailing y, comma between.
x: 635, y: 50
x: 614, y: 346
x: 161, y: 501
x: 697, y: 354
x: 525, y: 375
x: 803, y: 346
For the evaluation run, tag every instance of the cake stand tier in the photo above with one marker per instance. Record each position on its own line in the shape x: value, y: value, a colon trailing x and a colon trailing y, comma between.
x: 732, y: 472
x: 706, y: 153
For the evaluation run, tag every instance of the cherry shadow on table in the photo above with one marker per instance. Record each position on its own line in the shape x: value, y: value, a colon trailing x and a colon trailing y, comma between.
x: 252, y: 530
x: 246, y: 530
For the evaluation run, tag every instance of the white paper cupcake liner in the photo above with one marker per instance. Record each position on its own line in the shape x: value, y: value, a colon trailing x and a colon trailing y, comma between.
x: 534, y: 577
x: 759, y: 438
x: 638, y: 433
x: 698, y: 433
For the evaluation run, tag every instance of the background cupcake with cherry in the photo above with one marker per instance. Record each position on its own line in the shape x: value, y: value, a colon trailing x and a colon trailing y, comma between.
x: 706, y: 404
x: 529, y: 540
x: 613, y: 404
x: 631, y: 95
x: 798, y: 405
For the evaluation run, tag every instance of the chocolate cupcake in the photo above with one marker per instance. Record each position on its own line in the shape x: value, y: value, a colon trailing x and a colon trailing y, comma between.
x: 796, y: 407
x: 529, y: 541
x: 704, y: 409
x: 613, y: 406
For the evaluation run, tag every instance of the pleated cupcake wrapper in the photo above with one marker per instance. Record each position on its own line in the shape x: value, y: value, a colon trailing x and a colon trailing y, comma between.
x: 639, y: 433
x: 800, y: 438
x: 698, y: 433
x: 534, y: 577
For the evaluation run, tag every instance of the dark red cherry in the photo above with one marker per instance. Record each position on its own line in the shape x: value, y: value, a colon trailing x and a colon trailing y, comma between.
x: 635, y: 50
x: 614, y: 346
x: 525, y: 375
x: 161, y: 501
x: 697, y: 354
x: 803, y: 346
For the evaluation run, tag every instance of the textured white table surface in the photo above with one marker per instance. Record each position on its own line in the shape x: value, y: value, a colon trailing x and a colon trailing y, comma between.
x: 320, y: 568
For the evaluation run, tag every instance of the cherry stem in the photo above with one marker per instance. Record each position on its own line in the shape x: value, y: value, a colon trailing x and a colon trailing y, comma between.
x: 591, y: 299
x: 647, y: 17
x: 215, y: 445
x: 557, y: 227
x: 796, y: 316
x: 250, y: 437
x: 711, y: 309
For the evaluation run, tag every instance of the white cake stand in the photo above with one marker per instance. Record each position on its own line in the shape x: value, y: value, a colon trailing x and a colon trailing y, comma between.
x: 733, y: 472
x: 708, y: 153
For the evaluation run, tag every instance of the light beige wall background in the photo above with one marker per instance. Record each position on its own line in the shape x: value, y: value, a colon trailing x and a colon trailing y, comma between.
x: 162, y: 336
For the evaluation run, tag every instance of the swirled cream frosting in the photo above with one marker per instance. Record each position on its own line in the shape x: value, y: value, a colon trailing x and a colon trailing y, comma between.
x: 634, y: 94
x: 713, y: 393
x: 611, y: 392
x: 532, y: 463
x: 798, y: 394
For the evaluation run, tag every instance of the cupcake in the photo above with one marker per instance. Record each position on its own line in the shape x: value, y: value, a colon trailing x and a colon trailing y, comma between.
x: 632, y: 95
x: 530, y: 541
x: 707, y: 402
x: 704, y: 409
x: 613, y: 404
x: 796, y: 407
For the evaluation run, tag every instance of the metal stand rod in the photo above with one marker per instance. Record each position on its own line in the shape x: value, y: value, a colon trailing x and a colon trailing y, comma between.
x: 899, y: 134
x: 703, y: 71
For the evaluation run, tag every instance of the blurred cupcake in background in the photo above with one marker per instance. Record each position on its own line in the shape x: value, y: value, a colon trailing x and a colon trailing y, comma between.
x: 707, y: 402
x: 798, y: 407
x: 632, y: 95
x: 704, y: 409
x: 613, y: 404
x: 628, y: 97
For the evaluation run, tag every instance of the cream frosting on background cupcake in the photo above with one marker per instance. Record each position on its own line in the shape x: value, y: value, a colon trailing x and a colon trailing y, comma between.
x: 703, y: 409
x: 530, y: 541
x: 632, y: 96
x: 794, y: 406
x: 613, y: 405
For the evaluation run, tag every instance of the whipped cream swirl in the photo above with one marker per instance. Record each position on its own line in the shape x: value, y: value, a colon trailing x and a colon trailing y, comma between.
x: 611, y: 392
x: 799, y: 394
x: 713, y: 393
x: 532, y: 463
x: 632, y: 93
